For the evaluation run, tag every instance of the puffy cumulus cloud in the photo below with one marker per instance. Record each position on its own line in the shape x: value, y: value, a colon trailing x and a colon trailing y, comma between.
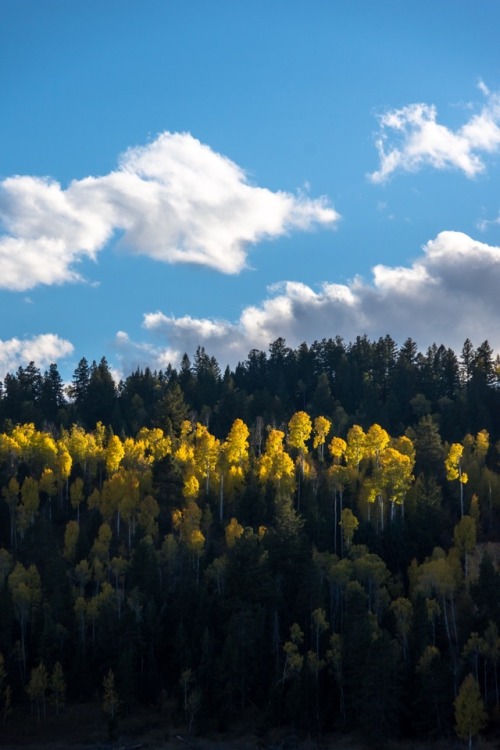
x: 43, y: 350
x: 411, y: 138
x: 448, y: 294
x: 175, y: 200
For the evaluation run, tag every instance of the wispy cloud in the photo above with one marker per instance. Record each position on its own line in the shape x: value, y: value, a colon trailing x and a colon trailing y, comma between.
x: 43, y: 350
x: 448, y: 294
x: 175, y: 200
x: 411, y: 138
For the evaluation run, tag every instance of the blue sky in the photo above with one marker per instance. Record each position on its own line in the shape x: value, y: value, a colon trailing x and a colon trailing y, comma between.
x: 176, y: 173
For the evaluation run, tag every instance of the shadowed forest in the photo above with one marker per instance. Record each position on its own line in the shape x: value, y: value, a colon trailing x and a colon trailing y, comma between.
x: 312, y: 536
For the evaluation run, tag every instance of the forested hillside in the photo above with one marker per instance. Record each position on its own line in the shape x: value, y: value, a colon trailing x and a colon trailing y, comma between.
x: 314, y: 534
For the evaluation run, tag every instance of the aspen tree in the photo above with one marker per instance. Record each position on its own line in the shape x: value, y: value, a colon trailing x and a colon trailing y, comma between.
x: 234, y: 531
x: 321, y: 427
x: 396, y: 476
x: 114, y: 454
x: 339, y: 476
x: 234, y: 460
x: 275, y: 465
x: 454, y: 470
x: 76, y: 496
x: 28, y: 507
x: 158, y: 445
x: 348, y: 523
x: 470, y: 713
x: 149, y: 510
x: 57, y: 687
x: 294, y: 659
x: 48, y: 485
x: 37, y: 688
x: 70, y: 539
x: 403, y: 613
x: 464, y: 536
x: 376, y: 441
x: 299, y: 431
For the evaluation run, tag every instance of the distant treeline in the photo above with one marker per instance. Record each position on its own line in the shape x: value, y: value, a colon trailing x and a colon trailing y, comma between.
x: 359, y: 382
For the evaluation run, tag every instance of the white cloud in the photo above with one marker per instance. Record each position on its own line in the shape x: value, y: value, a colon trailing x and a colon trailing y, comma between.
x: 174, y: 200
x: 411, y: 138
x: 448, y: 294
x: 43, y: 350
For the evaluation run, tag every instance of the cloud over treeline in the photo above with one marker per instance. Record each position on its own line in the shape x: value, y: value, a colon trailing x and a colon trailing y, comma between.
x: 175, y: 200
x: 43, y: 350
x: 448, y: 294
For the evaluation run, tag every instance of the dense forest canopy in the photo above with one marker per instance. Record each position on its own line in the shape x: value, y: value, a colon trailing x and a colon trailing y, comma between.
x: 314, y: 533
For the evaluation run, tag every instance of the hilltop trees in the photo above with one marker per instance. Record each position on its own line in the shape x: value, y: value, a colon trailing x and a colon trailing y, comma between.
x: 313, y: 534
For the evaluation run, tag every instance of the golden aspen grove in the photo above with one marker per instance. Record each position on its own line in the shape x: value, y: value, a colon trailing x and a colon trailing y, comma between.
x: 193, y: 539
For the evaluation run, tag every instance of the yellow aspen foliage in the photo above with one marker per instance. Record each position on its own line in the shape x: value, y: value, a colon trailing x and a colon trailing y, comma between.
x: 453, y: 466
x: 356, y: 442
x: 42, y: 451
x: 275, y: 465
x: 396, y: 474
x: 10, y: 450
x: 377, y: 439
x: 470, y: 713
x: 294, y: 659
x: 134, y: 454
x: 158, y: 445
x: 206, y: 453
x: 337, y: 448
x: 114, y: 454
x: 191, y: 487
x: 452, y: 462
x: 348, y: 523
x: 405, y: 446
x: 234, y: 531
x: 236, y: 445
x: 63, y: 463
x: 321, y: 428
x: 299, y: 430
x: 482, y: 445
x: 196, y: 542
